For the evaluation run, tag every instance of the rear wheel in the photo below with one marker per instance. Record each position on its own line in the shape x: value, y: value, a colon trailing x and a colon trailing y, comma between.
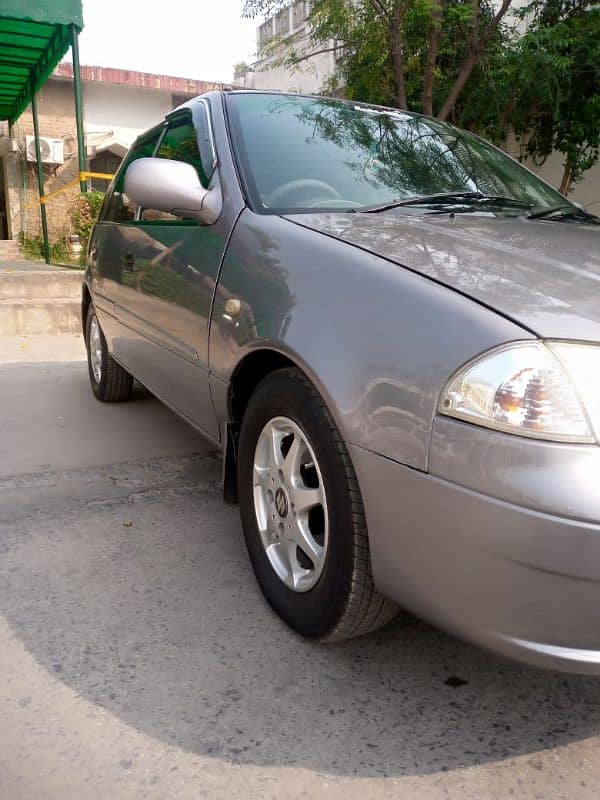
x: 302, y: 513
x: 109, y: 381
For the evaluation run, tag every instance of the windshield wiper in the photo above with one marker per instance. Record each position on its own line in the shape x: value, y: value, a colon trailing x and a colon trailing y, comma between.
x: 564, y: 212
x: 447, y: 198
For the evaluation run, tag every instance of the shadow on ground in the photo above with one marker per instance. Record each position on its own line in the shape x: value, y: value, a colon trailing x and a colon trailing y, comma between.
x: 148, y: 608
x: 131, y: 585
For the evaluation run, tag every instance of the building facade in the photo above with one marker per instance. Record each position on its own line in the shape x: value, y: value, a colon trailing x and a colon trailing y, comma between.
x: 118, y: 105
x: 309, y: 76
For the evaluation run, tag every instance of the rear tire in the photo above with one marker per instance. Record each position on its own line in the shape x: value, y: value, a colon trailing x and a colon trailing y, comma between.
x: 109, y: 381
x: 324, y: 590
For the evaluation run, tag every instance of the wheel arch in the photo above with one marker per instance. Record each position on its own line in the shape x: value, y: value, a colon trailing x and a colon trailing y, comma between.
x: 86, y: 302
x: 248, y: 373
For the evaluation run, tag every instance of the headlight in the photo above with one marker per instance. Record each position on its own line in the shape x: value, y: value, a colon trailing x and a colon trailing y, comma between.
x: 548, y: 390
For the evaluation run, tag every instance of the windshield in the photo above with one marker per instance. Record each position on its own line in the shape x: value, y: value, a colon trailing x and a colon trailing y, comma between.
x: 310, y: 154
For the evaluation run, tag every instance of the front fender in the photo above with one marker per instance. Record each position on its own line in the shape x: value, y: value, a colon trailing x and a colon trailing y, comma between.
x: 378, y: 341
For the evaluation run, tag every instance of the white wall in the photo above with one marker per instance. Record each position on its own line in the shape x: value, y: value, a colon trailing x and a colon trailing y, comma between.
x: 586, y: 192
x: 125, y: 110
x: 308, y: 77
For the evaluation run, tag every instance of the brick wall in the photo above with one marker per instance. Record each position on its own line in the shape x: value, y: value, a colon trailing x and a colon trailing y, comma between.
x: 56, y: 112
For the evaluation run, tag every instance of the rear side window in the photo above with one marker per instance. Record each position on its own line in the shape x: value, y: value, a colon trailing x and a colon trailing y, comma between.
x: 117, y: 206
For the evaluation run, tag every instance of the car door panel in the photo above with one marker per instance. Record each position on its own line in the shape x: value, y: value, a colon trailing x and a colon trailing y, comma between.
x: 167, y: 269
x: 166, y: 298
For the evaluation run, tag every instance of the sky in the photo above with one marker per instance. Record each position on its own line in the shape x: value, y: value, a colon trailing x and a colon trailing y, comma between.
x: 199, y: 39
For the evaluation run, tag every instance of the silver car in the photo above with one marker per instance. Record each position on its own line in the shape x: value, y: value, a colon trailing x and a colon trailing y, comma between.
x: 392, y: 331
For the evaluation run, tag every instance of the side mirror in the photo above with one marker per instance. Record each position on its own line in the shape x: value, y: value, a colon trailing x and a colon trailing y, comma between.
x: 171, y: 186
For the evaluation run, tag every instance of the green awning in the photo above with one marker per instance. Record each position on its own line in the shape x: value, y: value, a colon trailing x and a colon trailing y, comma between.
x: 34, y: 36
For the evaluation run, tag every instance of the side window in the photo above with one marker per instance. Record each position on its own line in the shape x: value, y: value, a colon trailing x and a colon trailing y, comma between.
x: 180, y: 143
x: 117, y: 206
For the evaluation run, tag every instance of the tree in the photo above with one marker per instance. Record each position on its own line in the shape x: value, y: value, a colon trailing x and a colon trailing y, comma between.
x: 555, y: 74
x: 240, y: 69
x: 416, y: 54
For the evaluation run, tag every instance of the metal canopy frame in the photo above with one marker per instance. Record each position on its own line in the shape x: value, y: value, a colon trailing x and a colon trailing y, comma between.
x: 34, y: 36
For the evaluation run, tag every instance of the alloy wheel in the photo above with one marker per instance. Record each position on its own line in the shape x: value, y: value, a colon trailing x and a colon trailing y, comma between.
x: 290, y: 504
x: 95, y: 345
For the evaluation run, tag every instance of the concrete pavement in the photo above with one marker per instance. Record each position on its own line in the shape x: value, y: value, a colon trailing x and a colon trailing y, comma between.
x: 138, y: 659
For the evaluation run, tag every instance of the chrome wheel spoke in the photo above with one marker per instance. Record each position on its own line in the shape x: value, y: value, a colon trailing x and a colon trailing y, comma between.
x: 276, y: 456
x: 278, y: 553
x: 291, y: 463
x: 261, y: 476
x: 297, y: 572
x: 304, y: 539
x: 304, y: 499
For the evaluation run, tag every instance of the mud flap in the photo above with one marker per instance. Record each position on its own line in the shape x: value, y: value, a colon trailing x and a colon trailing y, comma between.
x: 230, y: 492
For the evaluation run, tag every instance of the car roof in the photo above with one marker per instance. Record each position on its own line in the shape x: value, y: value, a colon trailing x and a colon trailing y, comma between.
x: 324, y: 98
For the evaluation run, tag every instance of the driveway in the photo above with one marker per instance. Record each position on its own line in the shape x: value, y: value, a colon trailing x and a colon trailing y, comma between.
x: 138, y: 659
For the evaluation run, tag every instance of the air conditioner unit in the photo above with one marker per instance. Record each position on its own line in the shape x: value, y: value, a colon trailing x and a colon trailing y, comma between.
x: 52, y: 150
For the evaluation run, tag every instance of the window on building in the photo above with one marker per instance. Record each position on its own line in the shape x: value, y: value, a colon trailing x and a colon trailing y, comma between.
x: 299, y: 14
x: 106, y: 163
x: 265, y: 32
x: 282, y: 22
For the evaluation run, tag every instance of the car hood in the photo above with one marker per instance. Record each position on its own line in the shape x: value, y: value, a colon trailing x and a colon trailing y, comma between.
x: 544, y: 275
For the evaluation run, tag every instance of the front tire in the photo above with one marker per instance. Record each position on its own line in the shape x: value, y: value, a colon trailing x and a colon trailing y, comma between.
x: 302, y: 513
x: 109, y: 381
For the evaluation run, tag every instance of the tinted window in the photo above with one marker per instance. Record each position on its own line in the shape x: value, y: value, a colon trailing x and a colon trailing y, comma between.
x: 308, y: 153
x: 180, y: 143
x: 117, y: 206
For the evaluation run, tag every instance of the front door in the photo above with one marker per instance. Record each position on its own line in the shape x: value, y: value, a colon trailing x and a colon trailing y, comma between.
x: 169, y: 268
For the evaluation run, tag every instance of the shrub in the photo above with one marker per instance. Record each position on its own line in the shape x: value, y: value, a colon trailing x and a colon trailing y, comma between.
x: 84, y: 209
x: 33, y: 248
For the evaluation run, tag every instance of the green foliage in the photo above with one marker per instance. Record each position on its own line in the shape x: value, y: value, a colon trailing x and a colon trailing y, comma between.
x: 555, y: 74
x: 32, y: 248
x: 240, y: 69
x: 84, y: 210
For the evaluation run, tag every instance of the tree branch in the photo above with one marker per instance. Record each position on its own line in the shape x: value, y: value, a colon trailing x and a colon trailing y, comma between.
x: 397, y: 52
x: 380, y: 9
x: 477, y: 44
x: 294, y: 58
x: 433, y: 42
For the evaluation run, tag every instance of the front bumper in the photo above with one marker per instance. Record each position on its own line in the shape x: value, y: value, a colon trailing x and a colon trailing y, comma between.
x: 522, y: 580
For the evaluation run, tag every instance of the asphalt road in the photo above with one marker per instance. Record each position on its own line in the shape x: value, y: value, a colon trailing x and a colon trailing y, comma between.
x: 138, y: 659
